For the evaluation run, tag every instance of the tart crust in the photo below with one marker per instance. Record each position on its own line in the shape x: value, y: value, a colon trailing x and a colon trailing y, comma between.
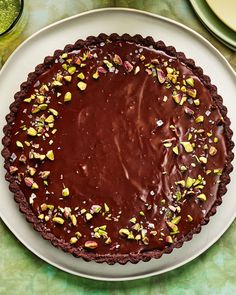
x: 24, y: 204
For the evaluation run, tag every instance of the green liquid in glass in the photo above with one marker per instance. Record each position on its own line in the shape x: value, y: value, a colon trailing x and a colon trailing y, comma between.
x: 9, y: 10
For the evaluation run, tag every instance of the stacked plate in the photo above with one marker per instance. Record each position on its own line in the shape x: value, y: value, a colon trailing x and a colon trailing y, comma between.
x: 219, y: 17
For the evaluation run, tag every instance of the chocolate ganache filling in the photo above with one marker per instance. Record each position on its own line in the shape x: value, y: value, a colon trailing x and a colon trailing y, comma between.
x: 118, y: 148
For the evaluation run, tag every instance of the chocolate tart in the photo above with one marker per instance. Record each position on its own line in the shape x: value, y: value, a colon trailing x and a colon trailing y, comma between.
x: 118, y: 149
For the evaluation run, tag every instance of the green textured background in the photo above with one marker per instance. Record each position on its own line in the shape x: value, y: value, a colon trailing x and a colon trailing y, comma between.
x: 21, y: 272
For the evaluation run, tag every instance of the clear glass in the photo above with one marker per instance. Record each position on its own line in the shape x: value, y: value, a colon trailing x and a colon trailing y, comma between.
x: 12, y: 36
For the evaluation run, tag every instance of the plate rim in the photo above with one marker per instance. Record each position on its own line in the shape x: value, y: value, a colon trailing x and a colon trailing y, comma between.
x: 202, y: 15
x: 162, y: 18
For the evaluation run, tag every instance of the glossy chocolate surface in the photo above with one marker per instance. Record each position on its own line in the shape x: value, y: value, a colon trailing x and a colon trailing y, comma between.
x: 114, y: 146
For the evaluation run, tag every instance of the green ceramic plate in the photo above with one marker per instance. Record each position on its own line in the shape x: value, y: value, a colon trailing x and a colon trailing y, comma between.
x: 214, y: 24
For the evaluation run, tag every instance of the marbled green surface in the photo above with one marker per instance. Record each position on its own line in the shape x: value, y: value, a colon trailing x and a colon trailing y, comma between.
x: 21, y: 272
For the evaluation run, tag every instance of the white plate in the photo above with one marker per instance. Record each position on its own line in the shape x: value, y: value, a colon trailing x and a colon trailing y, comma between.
x: 214, y: 24
x: 43, y: 43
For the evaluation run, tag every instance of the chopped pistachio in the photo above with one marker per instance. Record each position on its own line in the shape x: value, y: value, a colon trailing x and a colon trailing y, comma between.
x: 50, y: 207
x: 183, y: 99
x: 19, y: 144
x: 31, y: 171
x: 142, y: 213
x: 90, y: 244
x: 56, y: 83
x: 68, y: 78
x: 34, y: 186
x: 145, y: 240
x: 202, y: 197
x: 169, y: 239
x: 167, y: 144
x: 180, y: 182
x: 73, y: 219
x: 176, y: 97
x: 128, y: 66
x: 138, y: 237
x: 183, y: 168
x: 130, y: 236
x: 108, y: 241
x: 31, y: 131
x: 196, y: 102
x: 71, y: 70
x: 81, y: 76
x: 73, y: 240
x: 142, y: 57
x: 160, y: 76
x: 136, y: 227
x: 190, y: 81
x: 212, y: 151
x: 44, y: 174
x: 176, y: 219
x: 190, y: 219
x: 49, y: 119
x: 209, y: 134
x: 88, y: 216
x: 199, y: 119
x: 189, y: 182
x: 153, y: 232
x: 78, y: 61
x: 78, y: 234
x: 64, y: 55
x: 183, y: 89
x: 117, y: 60
x: 96, y: 75
x: 188, y: 111
x: 65, y: 192
x: 82, y: 211
x: 173, y: 226
x: 95, y: 209
x: 41, y: 216
x: 54, y: 112
x: 58, y: 220
x: 108, y: 64
x: 124, y: 232
x: 187, y: 146
x: 190, y: 136
x: 44, y: 207
x: 82, y: 85
x: 106, y: 208
x: 175, y: 150
x: 133, y: 220
x: 169, y: 70
x: 28, y: 100
x: 38, y: 108
x: 136, y: 70
x: 203, y: 160
x: 216, y: 139
x: 50, y: 155
x: 68, y: 96
x: 192, y: 92
x: 217, y: 171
